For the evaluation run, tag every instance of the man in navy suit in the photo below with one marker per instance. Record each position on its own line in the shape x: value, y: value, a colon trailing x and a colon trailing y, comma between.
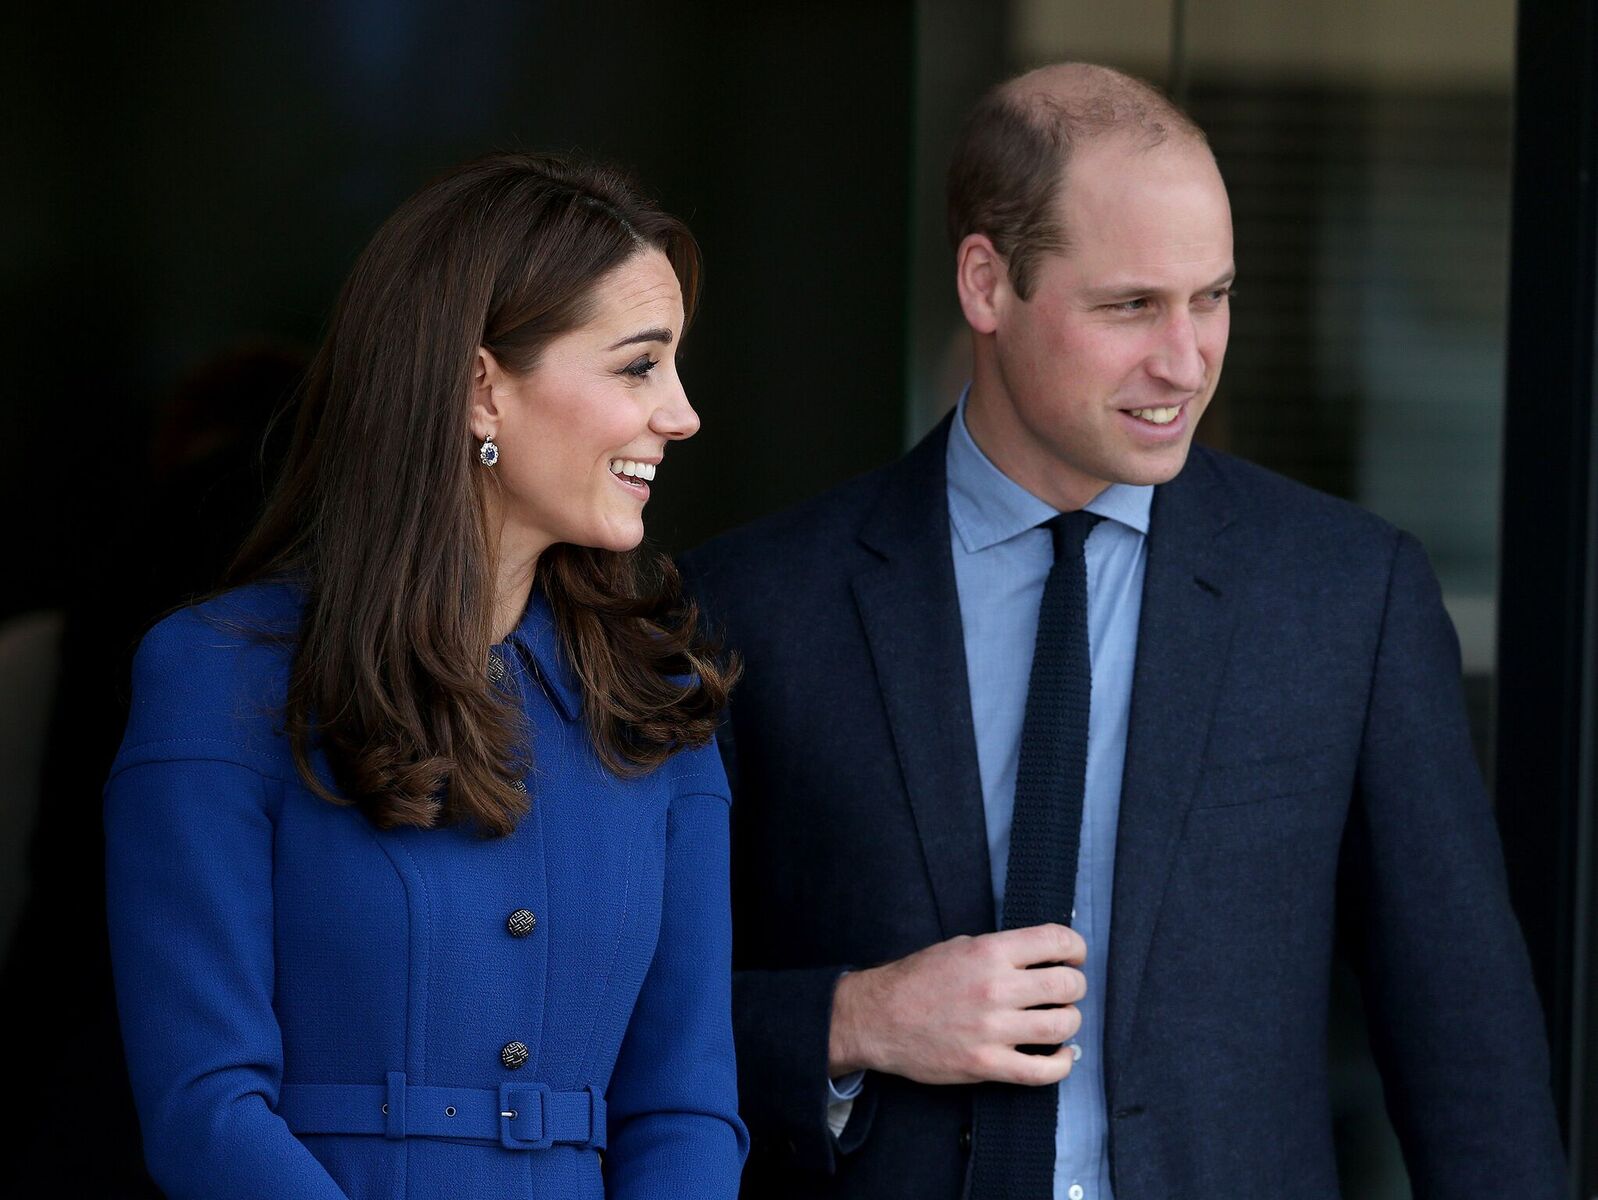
x: 1275, y: 753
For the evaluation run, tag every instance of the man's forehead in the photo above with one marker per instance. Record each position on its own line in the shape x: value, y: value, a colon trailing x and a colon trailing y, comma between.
x: 1117, y: 166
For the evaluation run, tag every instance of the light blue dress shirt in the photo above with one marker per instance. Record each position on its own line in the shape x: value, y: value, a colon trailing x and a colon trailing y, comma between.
x: 1001, y: 559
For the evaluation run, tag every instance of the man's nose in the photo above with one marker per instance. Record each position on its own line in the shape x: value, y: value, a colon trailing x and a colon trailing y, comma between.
x: 1177, y: 360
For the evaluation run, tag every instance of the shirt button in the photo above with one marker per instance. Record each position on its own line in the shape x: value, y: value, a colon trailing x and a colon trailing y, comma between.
x: 1075, y: 1191
x: 520, y: 923
x: 1076, y: 1052
x: 513, y: 1055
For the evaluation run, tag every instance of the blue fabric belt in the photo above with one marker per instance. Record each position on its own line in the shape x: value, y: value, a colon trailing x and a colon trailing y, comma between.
x: 520, y: 1116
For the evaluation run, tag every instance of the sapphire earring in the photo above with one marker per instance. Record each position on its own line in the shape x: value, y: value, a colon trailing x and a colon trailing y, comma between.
x: 488, y: 453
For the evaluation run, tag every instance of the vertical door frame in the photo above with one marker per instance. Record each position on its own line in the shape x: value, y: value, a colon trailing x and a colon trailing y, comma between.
x: 1546, y: 708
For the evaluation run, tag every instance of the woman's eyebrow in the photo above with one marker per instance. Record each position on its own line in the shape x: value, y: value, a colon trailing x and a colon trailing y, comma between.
x: 648, y: 335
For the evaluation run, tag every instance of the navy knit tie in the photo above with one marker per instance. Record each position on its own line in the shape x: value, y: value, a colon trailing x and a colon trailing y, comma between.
x: 1013, y: 1153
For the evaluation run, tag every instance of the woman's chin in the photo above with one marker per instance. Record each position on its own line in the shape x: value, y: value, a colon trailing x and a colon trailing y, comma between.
x: 620, y: 538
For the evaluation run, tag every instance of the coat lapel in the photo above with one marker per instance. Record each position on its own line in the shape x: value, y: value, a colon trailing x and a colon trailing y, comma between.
x: 910, y: 610
x: 1184, y: 633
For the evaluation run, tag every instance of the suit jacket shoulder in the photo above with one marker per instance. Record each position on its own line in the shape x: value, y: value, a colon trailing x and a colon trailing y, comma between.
x: 1277, y: 529
x: 782, y: 547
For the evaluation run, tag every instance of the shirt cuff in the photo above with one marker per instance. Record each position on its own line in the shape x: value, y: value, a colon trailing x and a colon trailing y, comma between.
x: 845, y: 1087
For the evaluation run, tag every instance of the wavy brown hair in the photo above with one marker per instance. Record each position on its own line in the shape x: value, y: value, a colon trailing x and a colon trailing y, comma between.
x: 379, y: 515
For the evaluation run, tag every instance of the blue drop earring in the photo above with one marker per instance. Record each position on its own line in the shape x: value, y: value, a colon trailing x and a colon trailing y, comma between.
x: 488, y: 453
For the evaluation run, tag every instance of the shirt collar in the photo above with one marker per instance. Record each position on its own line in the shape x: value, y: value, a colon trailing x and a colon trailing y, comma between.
x: 988, y: 507
x: 537, y: 638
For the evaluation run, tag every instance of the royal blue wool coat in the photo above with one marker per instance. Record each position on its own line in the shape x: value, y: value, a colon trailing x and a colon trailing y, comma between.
x: 313, y: 1007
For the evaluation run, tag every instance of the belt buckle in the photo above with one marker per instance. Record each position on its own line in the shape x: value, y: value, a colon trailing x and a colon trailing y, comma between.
x: 516, y: 1104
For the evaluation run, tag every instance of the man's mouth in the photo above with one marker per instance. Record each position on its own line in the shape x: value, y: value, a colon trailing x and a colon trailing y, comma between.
x: 1156, y: 416
x: 635, y: 473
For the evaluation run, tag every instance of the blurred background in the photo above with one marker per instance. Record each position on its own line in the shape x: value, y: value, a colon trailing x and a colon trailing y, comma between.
x: 186, y: 186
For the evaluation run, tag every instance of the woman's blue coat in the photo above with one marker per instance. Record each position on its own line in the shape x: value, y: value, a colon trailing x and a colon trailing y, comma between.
x: 285, y: 970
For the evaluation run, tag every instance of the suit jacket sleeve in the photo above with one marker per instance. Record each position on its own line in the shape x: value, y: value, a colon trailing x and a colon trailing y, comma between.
x: 673, y: 1099
x: 782, y: 1018
x: 189, y: 886
x: 1443, y: 964
x: 783, y: 1023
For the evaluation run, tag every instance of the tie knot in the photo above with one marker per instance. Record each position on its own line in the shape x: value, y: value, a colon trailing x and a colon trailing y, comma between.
x: 1070, y: 531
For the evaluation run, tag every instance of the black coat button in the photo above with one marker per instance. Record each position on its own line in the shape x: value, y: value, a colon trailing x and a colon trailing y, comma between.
x: 965, y: 1139
x: 513, y: 1055
x: 520, y: 923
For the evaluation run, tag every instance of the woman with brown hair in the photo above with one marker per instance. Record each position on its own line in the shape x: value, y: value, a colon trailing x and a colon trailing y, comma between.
x: 417, y: 841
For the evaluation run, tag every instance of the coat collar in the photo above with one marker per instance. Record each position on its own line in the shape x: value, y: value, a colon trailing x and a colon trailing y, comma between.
x: 537, y: 637
x: 1184, y: 634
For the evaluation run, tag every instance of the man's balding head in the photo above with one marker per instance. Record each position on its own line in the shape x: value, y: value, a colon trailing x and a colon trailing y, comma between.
x: 1015, y: 149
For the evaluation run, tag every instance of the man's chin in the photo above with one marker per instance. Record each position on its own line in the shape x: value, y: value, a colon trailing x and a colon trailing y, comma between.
x: 1152, y: 468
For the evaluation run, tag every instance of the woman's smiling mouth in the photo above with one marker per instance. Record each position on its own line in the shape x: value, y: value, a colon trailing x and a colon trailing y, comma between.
x: 632, y: 473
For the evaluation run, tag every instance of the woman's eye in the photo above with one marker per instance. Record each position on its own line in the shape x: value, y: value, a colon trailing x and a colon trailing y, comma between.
x: 639, y: 367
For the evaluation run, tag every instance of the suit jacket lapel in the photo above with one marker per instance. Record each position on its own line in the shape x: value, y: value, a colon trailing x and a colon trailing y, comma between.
x: 1184, y: 633
x: 910, y: 610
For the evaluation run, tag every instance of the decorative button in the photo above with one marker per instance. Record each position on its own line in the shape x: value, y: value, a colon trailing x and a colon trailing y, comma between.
x: 496, y: 667
x: 513, y: 1055
x: 521, y: 922
x: 520, y: 785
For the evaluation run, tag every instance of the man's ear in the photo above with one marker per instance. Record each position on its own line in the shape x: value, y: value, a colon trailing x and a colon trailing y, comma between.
x: 982, y: 278
x: 486, y: 375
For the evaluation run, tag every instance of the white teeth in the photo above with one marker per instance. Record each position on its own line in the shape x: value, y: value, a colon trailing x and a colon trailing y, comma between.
x: 1156, y: 416
x: 634, y: 470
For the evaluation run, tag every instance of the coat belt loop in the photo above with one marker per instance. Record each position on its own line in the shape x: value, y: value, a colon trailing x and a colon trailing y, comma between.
x: 598, y: 1117
x: 394, y: 1108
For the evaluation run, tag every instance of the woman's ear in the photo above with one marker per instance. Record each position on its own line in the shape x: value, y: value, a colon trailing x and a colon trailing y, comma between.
x: 486, y: 376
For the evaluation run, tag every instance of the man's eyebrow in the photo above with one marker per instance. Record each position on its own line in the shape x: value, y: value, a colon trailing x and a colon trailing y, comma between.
x: 662, y: 336
x: 1123, y: 291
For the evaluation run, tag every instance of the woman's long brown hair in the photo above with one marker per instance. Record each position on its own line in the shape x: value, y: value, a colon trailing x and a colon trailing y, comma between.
x: 380, y: 517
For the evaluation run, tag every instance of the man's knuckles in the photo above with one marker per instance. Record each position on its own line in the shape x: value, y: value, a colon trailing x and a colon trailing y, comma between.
x: 1075, y: 985
x: 1055, y: 1025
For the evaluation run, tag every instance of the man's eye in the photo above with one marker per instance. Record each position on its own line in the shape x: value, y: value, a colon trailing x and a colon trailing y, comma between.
x: 639, y: 367
x: 1130, y: 306
x: 1218, y: 294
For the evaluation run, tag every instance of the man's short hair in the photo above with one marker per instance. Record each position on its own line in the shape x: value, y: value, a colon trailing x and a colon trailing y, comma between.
x: 1012, y: 154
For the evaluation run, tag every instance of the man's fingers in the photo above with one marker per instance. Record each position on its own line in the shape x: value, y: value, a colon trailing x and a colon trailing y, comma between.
x: 1049, y: 985
x: 1043, y: 944
x: 1048, y: 1026
x: 1033, y: 1070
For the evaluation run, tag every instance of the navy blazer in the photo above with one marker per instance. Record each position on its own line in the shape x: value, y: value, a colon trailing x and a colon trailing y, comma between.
x: 1298, y: 764
x: 313, y: 1007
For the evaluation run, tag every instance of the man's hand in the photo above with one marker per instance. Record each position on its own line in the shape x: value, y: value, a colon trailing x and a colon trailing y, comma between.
x: 956, y: 1011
